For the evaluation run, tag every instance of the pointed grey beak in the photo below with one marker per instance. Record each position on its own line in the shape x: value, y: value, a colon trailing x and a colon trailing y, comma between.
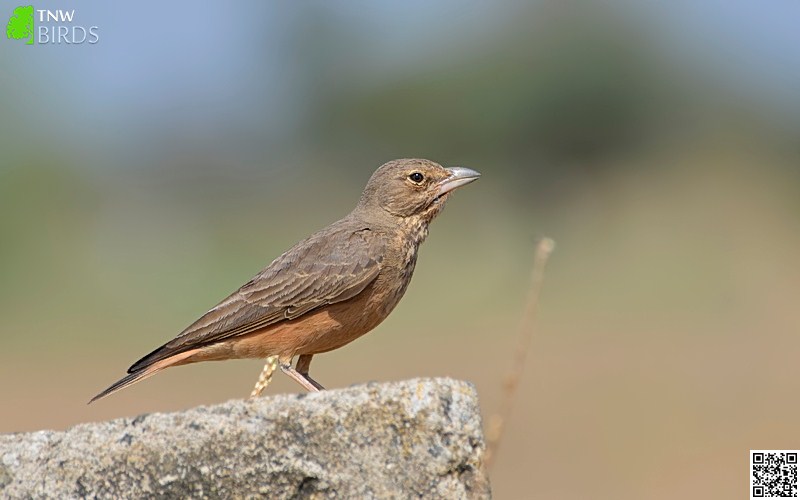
x: 459, y: 176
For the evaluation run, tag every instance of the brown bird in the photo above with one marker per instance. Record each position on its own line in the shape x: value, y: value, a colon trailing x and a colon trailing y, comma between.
x: 326, y: 291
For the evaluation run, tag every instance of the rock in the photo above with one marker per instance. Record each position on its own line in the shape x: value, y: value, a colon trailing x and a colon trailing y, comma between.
x: 417, y: 438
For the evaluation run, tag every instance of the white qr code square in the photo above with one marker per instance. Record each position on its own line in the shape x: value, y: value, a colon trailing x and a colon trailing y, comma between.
x: 773, y: 474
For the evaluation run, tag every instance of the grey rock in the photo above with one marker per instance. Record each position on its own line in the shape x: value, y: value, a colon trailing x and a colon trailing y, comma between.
x: 417, y: 438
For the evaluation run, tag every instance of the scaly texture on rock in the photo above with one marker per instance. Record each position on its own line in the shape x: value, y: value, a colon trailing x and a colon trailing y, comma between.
x: 417, y: 438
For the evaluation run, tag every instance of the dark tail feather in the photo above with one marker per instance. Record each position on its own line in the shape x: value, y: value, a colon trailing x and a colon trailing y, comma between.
x: 122, y: 383
x: 142, y: 372
x: 157, y: 355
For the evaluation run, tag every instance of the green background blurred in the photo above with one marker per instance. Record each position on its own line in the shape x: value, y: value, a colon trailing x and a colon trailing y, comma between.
x: 145, y: 177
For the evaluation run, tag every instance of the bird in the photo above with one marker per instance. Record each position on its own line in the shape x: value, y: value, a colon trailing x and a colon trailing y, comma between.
x: 327, y: 290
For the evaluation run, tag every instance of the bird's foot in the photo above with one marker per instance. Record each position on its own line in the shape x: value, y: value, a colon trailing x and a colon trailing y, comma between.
x: 307, y: 382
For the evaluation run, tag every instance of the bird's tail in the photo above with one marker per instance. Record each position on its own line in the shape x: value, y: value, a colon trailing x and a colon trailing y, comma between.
x: 122, y: 383
x: 142, y: 373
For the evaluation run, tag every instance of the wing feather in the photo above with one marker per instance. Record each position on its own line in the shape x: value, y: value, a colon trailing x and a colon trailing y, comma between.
x: 330, y: 266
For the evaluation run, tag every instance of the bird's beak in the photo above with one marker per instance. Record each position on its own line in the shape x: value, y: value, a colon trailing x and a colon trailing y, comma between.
x: 458, y: 177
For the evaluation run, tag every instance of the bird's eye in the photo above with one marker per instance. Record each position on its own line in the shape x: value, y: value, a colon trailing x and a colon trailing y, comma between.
x: 416, y: 177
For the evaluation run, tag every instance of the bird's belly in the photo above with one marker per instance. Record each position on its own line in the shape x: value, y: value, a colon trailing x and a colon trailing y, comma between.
x: 349, y: 320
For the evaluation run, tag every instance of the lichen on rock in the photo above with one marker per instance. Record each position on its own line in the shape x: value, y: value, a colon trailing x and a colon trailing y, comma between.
x: 416, y: 438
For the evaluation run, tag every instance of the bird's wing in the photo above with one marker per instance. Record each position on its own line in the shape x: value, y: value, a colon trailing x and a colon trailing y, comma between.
x: 328, y: 267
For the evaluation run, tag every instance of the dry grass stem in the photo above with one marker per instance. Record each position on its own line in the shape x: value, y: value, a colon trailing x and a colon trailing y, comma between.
x: 496, y: 425
x: 266, y: 376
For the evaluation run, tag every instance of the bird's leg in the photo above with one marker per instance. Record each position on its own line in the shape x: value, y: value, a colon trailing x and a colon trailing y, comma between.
x: 302, y: 366
x: 286, y: 367
x: 266, y: 376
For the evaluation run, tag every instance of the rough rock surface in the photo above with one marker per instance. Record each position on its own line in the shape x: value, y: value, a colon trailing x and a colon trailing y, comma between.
x: 417, y: 438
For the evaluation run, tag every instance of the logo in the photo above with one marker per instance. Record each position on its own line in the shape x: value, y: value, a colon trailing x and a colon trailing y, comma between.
x: 51, y: 27
x: 20, y: 25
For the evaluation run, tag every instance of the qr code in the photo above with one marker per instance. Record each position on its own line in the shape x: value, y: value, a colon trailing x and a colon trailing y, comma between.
x: 773, y: 473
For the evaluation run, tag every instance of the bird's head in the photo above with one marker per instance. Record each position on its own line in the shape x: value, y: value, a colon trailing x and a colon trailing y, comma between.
x: 413, y: 188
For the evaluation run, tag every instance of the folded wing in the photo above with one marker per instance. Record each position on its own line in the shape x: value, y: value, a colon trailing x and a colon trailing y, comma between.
x: 328, y: 267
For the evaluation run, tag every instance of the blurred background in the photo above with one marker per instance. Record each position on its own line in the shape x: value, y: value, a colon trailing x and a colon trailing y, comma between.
x: 144, y: 178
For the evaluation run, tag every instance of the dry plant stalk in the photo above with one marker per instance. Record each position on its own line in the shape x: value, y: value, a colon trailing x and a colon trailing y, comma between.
x: 266, y: 376
x: 496, y: 426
